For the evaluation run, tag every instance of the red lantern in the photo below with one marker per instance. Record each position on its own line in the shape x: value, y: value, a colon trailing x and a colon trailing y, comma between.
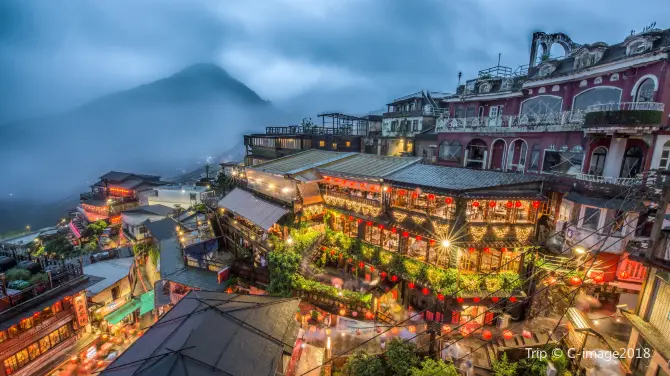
x: 471, y: 249
x: 369, y: 223
x: 536, y: 204
x: 351, y: 218
x: 512, y: 299
x: 332, y: 251
x: 446, y: 329
x: 354, y: 313
x: 476, y: 299
x: 350, y: 260
x: 432, y: 241
x: 503, y: 250
x: 411, y: 285
x: 369, y: 315
x: 360, y: 220
x: 448, y: 200
x: 394, y: 230
x: 526, y: 334
x: 415, y: 195
x: 412, y: 329
x: 475, y: 204
x: 492, y: 204
x: 431, y: 197
x: 361, y: 264
x: 394, y: 278
x: 401, y: 192
x: 495, y: 299
x: 405, y: 234
x: 418, y: 238
x: 487, y: 250
x: 327, y: 178
x: 624, y: 274
x: 372, y: 268
x: 440, y: 297
x: 382, y: 274
x: 599, y: 278
x: 575, y: 281
x: 487, y: 335
x: 507, y: 334
x: 518, y: 204
x: 460, y: 300
x: 381, y: 227
x: 425, y: 291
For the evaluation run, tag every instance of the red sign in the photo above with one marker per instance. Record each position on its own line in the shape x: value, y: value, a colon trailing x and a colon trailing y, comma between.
x: 223, y: 275
x: 81, y: 310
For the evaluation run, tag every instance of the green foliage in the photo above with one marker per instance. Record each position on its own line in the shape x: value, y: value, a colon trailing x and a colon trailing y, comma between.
x: 284, y: 265
x: 60, y: 246
x: 560, y: 361
x: 361, y: 364
x: 223, y: 184
x: 38, y: 278
x: 623, y: 117
x: 96, y: 228
x: 532, y: 367
x: 503, y: 367
x: 154, y: 254
x: 17, y: 274
x: 431, y: 367
x: 90, y: 247
x: 351, y: 298
x: 401, y: 357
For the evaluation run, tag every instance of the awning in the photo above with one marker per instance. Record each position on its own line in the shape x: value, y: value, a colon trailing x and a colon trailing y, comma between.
x: 656, y: 339
x: 123, y: 312
x: 580, y: 322
x: 629, y: 205
x: 245, y: 204
x: 310, y: 193
x: 147, y: 302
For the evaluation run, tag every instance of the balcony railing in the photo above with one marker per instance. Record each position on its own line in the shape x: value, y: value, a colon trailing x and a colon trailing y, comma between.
x: 560, y: 121
x: 627, y: 106
x: 428, y: 111
x: 627, y: 115
x: 610, y: 180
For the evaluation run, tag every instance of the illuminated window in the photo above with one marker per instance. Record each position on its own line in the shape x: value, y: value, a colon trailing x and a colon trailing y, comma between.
x: 64, y: 332
x: 322, y: 143
x: 490, y: 261
x: 45, y: 344
x: 10, y: 365
x: 33, y: 351
x: 334, y: 145
x: 467, y: 261
x: 348, y: 143
x: 22, y: 358
x: 3, y: 336
x: 510, y: 261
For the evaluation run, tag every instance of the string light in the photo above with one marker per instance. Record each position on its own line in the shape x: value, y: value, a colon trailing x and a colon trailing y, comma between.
x: 478, y: 232
x: 522, y: 233
x: 501, y: 231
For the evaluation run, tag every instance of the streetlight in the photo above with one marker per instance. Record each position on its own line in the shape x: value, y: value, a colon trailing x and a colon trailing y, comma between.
x: 580, y: 250
x: 446, y: 243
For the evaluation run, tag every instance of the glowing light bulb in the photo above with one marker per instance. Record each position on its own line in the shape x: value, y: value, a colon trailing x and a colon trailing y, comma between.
x: 446, y: 243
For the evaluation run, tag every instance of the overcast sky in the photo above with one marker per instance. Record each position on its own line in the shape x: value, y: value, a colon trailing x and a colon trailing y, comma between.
x: 303, y: 55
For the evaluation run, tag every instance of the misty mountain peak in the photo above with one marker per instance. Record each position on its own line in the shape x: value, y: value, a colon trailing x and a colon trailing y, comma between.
x: 203, y: 70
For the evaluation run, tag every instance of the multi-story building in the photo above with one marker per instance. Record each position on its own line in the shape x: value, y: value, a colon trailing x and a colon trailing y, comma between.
x: 592, y: 120
x: 178, y: 196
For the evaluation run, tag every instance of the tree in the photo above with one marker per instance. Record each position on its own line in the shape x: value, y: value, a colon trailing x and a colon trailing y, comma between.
x: 503, y: 367
x: 223, y: 183
x: 60, y: 247
x: 17, y: 274
x: 90, y: 247
x: 284, y: 265
x: 362, y: 364
x: 401, y: 357
x: 431, y: 367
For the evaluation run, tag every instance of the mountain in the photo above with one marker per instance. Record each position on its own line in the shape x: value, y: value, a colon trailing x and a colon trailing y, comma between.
x: 156, y: 128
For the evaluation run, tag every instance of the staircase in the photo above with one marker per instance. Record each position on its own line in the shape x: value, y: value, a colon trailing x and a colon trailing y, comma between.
x: 518, y: 341
x: 384, y: 317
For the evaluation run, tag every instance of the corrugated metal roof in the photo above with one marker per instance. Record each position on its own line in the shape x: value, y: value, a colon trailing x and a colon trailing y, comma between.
x: 295, y: 163
x: 458, y: 179
x: 310, y: 193
x: 579, y: 320
x: 260, y: 212
x: 111, y: 270
x: 368, y: 166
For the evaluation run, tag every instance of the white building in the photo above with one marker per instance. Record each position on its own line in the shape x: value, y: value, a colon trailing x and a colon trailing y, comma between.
x: 133, y: 221
x: 183, y: 196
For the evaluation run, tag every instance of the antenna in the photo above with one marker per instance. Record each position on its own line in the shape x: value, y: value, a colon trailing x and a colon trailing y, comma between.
x: 460, y: 74
x: 499, y: 54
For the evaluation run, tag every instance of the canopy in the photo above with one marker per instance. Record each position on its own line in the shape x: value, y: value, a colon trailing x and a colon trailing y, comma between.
x: 147, y: 302
x: 123, y: 312
x: 262, y: 213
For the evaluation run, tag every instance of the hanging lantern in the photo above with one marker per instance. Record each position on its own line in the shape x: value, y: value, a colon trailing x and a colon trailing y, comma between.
x: 332, y: 252
x: 412, y: 329
x: 405, y: 234
x: 448, y: 200
x: 372, y: 268
x: 360, y: 220
x: 382, y: 274
x: 425, y: 291
x: 518, y: 204
x: 361, y: 264
x: 440, y: 297
x: 369, y: 223
x: 624, y: 274
x: 509, y: 204
x: 381, y: 227
x: 351, y: 218
x: 342, y: 311
x: 526, y: 334
x: 536, y: 204
x: 411, y: 285
x: 503, y: 250
x: 415, y: 195
x: 476, y: 299
x: 446, y: 329
x: 495, y: 299
x: 471, y: 249
x: 394, y: 230
x: 599, y: 278
x: 475, y: 204
x: 512, y: 299
x: 460, y: 300
x: 431, y: 197
x: 401, y: 192
x: 507, y: 334
x: 418, y: 238
x: 432, y: 241
x: 394, y: 278
x: 492, y: 204
x: 350, y: 260
x: 575, y: 281
x: 354, y: 313
x: 395, y: 330
x: 487, y: 335
x: 487, y: 250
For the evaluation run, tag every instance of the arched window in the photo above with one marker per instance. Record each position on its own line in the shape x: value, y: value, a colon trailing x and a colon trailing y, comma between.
x: 665, y: 156
x: 481, y: 111
x: 599, y: 95
x: 597, y: 164
x: 541, y: 105
x: 534, y: 158
x: 645, y: 92
x: 632, y: 162
x: 450, y: 151
x: 470, y: 111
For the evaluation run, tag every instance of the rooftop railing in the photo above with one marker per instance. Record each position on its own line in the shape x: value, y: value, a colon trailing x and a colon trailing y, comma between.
x: 565, y: 120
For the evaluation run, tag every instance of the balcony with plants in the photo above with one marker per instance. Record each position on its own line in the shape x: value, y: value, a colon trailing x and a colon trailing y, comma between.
x: 625, y: 117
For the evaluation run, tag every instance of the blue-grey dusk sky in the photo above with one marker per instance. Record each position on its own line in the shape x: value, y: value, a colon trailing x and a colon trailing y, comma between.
x: 303, y: 55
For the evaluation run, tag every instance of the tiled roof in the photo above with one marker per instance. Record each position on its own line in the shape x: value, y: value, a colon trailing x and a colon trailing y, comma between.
x: 163, y: 229
x: 244, y: 203
x: 368, y: 166
x: 215, y: 334
x: 172, y: 268
x: 298, y: 162
x: 156, y: 209
x: 458, y: 179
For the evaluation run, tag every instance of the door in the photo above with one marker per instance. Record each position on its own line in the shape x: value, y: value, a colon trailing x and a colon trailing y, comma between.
x: 494, y: 116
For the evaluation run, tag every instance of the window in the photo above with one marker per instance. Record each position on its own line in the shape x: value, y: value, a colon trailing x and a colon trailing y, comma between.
x: 562, y: 162
x: 665, y: 155
x: 10, y: 365
x: 34, y: 351
x: 143, y: 229
x: 467, y: 261
x: 394, y: 126
x: 3, y: 336
x: 191, y: 196
x: 591, y: 218
x: 490, y: 261
x: 597, y: 164
x: 460, y: 112
x: 334, y: 145
x: 636, y: 47
x: 632, y: 162
x: 450, y: 151
x: 481, y: 111
x: 534, y: 158
x: 323, y: 143
x: 45, y: 344
x: 541, y: 105
x: 411, y: 106
x: 415, y: 125
x: 470, y: 112
x: 116, y: 292
x: 347, y: 143
x: 599, y: 95
x: 645, y: 92
x: 510, y: 261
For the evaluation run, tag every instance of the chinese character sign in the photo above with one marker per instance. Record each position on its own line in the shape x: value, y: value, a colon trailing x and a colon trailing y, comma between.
x: 80, y: 310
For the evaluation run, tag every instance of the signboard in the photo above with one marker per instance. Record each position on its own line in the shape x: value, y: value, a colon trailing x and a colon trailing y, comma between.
x: 91, y: 352
x: 223, y: 274
x: 81, y: 310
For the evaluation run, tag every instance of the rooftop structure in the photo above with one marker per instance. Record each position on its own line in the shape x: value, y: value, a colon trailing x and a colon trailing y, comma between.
x: 367, y: 166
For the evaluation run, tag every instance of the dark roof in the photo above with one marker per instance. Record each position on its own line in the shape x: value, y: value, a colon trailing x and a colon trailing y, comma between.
x: 458, y: 179
x: 368, y: 166
x: 215, y: 334
x: 497, y: 87
x: 298, y: 162
x: 156, y: 209
x: 163, y: 229
x: 173, y: 269
x: 117, y: 177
